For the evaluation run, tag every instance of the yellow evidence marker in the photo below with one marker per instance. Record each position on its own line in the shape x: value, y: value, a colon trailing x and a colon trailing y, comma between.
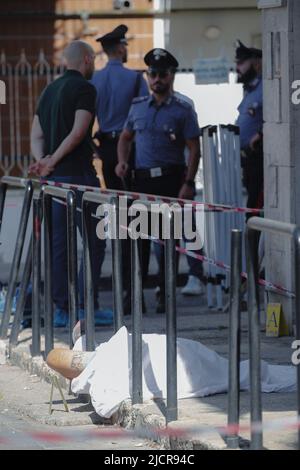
x: 276, y: 325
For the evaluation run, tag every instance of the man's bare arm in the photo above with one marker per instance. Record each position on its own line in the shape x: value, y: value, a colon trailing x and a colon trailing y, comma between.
x: 124, y: 148
x: 37, y: 139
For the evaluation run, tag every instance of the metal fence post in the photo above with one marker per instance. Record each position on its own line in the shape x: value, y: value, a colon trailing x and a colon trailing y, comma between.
x: 136, y: 299
x: 48, y: 303
x: 254, y: 338
x: 16, y: 258
x: 36, y: 276
x: 3, y: 189
x: 171, y: 326
x: 18, y: 316
x: 72, y: 262
x: 234, y: 336
x: 117, y: 281
x: 89, y: 307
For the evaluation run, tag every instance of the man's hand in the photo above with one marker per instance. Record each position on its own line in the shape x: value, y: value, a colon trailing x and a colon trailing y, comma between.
x: 43, y: 167
x: 255, y: 140
x: 121, y: 169
x: 186, y: 192
x: 33, y: 168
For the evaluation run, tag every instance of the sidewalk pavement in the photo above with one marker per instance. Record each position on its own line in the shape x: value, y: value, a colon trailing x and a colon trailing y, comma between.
x: 197, y: 322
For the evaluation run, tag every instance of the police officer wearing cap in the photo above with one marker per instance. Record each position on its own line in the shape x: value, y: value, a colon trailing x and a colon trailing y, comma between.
x: 250, y: 121
x: 162, y: 125
x: 116, y: 87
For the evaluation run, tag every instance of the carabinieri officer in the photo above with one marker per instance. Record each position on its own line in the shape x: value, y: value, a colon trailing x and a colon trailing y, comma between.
x: 162, y: 125
x: 116, y: 87
x: 250, y: 121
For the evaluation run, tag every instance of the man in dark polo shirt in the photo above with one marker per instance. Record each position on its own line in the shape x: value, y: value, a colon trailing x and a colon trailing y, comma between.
x: 60, y: 142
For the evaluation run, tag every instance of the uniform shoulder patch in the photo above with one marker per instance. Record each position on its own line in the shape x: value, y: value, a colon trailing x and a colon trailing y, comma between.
x: 139, y: 99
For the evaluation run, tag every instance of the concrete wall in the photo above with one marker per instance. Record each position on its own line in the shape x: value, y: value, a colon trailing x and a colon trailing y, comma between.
x: 281, y: 27
x: 190, y: 31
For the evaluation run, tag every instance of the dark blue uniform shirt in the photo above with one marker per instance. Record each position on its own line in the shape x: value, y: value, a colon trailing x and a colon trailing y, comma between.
x: 161, y: 131
x: 116, y: 87
x: 250, y: 120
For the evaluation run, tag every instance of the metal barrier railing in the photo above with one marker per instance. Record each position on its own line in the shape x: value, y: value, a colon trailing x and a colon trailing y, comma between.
x: 33, y: 259
x: 20, y: 307
x: 50, y: 192
x: 28, y: 187
x: 234, y: 336
x: 137, y: 308
x: 98, y: 198
x: 171, y: 313
x: 137, y: 292
x: 37, y: 215
x: 254, y: 225
x: 171, y: 317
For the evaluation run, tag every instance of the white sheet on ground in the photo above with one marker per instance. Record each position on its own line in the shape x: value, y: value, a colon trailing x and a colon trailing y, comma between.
x: 200, y: 372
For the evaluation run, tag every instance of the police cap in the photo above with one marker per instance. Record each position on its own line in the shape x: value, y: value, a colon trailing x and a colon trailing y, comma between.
x: 244, y: 53
x: 117, y: 36
x: 160, y: 59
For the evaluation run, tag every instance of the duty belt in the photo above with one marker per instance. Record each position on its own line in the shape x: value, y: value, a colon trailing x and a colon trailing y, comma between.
x: 157, y: 171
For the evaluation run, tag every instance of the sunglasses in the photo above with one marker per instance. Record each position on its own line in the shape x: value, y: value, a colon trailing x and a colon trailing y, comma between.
x: 158, y: 73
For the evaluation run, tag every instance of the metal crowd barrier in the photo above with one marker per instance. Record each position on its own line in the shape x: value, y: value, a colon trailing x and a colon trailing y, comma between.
x: 171, y: 316
x: 137, y: 292
x: 98, y: 198
x: 15, y: 266
x: 234, y: 336
x: 254, y: 225
x: 33, y: 260
x: 50, y: 192
x: 222, y: 185
x: 37, y: 215
x: 18, y: 316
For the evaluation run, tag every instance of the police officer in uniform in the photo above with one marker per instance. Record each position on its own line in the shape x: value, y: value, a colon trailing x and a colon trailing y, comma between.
x: 116, y: 87
x: 250, y: 121
x: 162, y: 125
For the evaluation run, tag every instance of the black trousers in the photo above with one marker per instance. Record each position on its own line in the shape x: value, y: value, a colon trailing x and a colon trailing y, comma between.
x: 253, y: 178
x: 60, y: 242
x: 168, y: 186
x: 109, y: 156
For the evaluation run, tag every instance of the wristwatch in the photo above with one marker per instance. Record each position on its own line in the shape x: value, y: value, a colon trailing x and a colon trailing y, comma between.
x: 190, y: 183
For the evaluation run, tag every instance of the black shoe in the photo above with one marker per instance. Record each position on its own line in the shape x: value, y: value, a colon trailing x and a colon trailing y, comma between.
x: 161, y: 304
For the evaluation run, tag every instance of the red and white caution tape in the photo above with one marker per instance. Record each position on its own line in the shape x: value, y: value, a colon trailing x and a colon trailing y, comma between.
x: 219, y: 264
x: 153, y: 198
x: 184, y: 432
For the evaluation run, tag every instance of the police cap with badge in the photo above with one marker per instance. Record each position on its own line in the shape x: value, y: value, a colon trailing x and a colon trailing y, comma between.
x: 117, y: 36
x: 160, y: 59
x: 243, y: 52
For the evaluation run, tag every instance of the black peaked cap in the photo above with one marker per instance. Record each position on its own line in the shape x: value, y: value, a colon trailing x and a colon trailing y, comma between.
x: 160, y: 59
x: 116, y: 36
x: 243, y: 52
